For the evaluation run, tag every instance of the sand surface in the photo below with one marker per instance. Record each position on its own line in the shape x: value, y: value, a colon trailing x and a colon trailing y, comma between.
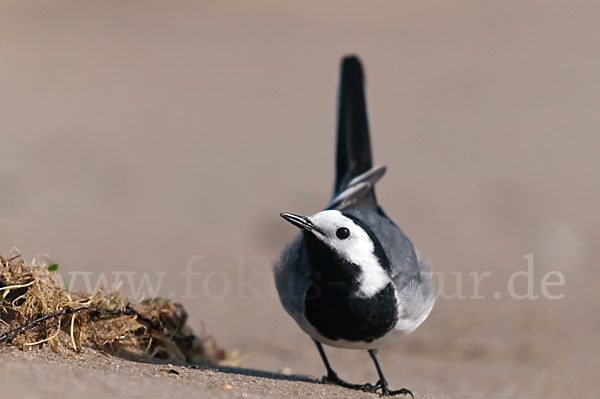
x: 150, y: 139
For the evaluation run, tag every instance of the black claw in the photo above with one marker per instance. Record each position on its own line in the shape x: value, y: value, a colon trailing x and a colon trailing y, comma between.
x: 332, y: 378
x: 402, y: 391
x: 368, y: 387
x: 385, y: 391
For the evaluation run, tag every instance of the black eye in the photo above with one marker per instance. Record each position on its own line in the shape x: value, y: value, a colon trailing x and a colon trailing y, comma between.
x: 342, y: 233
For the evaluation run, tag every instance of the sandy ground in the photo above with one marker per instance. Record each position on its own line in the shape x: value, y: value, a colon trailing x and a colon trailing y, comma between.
x: 95, y: 375
x: 165, y: 137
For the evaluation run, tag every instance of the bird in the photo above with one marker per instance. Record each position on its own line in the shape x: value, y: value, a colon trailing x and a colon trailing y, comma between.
x: 351, y: 278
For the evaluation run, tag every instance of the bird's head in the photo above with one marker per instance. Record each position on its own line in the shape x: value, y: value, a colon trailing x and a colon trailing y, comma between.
x: 332, y: 234
x: 336, y: 230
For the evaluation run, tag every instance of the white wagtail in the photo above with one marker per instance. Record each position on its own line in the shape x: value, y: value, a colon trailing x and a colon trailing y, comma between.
x: 351, y: 279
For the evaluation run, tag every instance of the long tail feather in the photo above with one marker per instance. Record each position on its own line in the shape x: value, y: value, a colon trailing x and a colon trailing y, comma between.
x: 353, y: 143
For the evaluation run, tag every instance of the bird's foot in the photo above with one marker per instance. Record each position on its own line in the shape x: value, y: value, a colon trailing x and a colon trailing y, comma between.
x: 385, y: 391
x: 332, y: 378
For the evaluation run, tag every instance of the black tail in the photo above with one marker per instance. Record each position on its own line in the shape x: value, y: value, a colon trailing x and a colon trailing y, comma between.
x: 353, y: 144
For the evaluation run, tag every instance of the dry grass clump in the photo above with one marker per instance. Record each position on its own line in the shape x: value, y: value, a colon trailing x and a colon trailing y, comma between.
x: 35, y: 310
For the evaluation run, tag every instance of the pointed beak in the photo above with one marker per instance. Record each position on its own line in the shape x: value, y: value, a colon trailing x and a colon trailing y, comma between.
x: 300, y: 221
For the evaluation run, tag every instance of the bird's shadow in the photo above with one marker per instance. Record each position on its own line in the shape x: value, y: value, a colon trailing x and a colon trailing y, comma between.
x: 263, y: 374
x: 225, y: 369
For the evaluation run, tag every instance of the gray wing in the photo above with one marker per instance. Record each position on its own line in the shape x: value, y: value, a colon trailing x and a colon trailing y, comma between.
x: 416, y: 299
x: 291, y: 274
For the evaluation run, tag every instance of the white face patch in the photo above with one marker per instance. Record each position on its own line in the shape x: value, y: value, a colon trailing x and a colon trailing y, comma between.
x: 358, y: 249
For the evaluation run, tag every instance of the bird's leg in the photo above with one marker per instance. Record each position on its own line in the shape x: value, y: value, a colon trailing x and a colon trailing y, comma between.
x: 332, y: 377
x: 382, y: 383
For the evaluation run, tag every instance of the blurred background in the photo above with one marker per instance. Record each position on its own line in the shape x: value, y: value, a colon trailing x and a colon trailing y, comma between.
x: 158, y: 137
